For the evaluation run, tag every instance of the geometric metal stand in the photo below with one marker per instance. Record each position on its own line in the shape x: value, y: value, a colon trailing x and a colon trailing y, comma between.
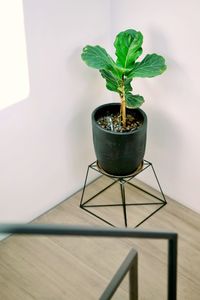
x: 123, y: 182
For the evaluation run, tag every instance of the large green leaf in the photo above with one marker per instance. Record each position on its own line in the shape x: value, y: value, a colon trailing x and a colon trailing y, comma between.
x: 128, y: 48
x: 152, y: 65
x: 97, y: 57
x: 133, y: 101
x: 127, y: 85
x: 112, y: 82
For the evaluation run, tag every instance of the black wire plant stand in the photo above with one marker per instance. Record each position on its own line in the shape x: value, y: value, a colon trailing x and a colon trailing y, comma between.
x: 159, y: 201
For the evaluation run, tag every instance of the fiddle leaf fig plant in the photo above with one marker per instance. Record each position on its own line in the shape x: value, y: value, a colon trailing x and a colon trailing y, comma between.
x: 120, y: 73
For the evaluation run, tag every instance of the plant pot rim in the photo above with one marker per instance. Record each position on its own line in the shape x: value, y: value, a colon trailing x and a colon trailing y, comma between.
x: 119, y: 133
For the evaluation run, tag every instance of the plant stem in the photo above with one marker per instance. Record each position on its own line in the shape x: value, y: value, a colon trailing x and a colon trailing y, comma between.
x: 123, y: 104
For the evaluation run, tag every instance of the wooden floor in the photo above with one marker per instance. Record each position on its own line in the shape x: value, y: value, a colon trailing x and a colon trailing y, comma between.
x: 57, y: 268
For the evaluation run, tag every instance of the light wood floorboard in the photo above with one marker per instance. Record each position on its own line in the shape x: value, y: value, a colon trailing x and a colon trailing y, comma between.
x: 58, y: 268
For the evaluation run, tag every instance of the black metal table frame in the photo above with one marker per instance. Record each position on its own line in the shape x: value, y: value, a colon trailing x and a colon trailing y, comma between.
x: 69, y: 230
x: 85, y: 205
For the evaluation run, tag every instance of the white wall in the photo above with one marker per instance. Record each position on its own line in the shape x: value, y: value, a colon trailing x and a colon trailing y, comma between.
x: 170, y: 28
x: 45, y: 140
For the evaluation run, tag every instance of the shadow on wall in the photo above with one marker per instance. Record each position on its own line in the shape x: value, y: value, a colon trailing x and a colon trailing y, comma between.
x: 176, y: 80
x: 158, y: 41
x: 169, y: 97
x: 164, y: 138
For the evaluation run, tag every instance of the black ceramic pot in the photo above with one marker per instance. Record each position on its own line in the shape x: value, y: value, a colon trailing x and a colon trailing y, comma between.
x: 118, y: 154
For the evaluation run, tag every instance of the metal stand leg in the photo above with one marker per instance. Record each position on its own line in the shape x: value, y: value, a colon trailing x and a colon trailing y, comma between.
x: 158, y: 202
x: 123, y: 200
x: 84, y: 186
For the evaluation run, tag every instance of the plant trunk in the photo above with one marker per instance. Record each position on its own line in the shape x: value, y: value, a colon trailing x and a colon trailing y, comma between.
x: 123, y: 105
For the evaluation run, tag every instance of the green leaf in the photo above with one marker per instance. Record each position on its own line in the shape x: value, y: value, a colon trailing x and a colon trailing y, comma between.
x: 152, y: 65
x: 127, y: 85
x: 97, y: 57
x: 133, y: 101
x: 128, y: 48
x: 112, y: 82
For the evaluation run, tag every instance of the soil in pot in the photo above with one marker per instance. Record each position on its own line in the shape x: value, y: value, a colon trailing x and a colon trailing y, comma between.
x: 112, y: 122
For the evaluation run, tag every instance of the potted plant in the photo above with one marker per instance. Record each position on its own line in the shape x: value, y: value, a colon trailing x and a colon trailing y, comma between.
x: 119, y: 129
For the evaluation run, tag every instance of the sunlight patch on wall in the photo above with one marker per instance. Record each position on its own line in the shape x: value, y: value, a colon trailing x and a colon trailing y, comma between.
x: 14, y: 80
